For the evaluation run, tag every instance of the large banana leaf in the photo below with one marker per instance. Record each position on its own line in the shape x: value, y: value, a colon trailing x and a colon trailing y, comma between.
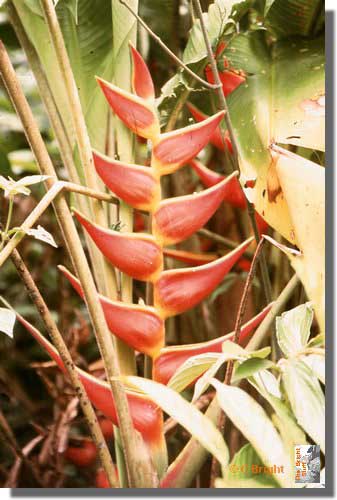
x: 87, y: 30
x: 282, y: 101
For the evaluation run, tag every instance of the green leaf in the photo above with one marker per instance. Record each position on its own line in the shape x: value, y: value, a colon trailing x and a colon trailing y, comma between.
x: 249, y: 367
x: 195, y: 422
x: 293, y: 17
x: 7, y: 321
x: 216, y: 19
x: 268, y: 386
x: 87, y: 31
x: 316, y: 362
x: 243, y: 471
x: 293, y: 329
x: 191, y: 369
x: 252, y: 421
x: 306, y: 398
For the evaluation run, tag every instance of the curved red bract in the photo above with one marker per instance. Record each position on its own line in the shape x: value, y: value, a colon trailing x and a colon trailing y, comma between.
x: 178, y: 290
x: 173, y: 149
x: 233, y: 193
x: 138, y: 326
x: 134, y: 184
x: 137, y: 115
x: 171, y: 358
x: 142, y: 83
x: 178, y: 218
x: 137, y: 255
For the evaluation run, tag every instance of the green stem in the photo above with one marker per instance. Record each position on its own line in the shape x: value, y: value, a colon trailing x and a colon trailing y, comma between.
x: 4, y: 234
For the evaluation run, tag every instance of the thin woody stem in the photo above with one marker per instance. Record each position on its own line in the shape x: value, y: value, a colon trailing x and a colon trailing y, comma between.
x: 183, y: 470
x: 168, y: 51
x: 135, y: 462
x: 84, y: 148
x: 215, y: 468
x: 44, y: 203
x: 65, y: 355
x: 223, y: 106
x: 56, y: 122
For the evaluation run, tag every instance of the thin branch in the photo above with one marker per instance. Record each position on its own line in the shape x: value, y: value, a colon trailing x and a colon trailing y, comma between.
x: 215, y: 468
x: 44, y: 203
x: 56, y: 336
x: 277, y: 307
x: 171, y: 54
x: 82, y: 137
x: 57, y: 124
x: 183, y: 470
x: 130, y: 441
x: 221, y: 240
x: 223, y: 105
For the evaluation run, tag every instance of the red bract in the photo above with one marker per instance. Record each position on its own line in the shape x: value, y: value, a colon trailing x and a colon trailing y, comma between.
x: 135, y: 112
x: 82, y: 456
x: 137, y: 255
x: 195, y: 259
x: 134, y: 184
x: 142, y: 83
x: 178, y: 218
x: 171, y: 358
x: 233, y: 193
x: 230, y: 79
x: 138, y: 326
x: 178, y: 290
x: 219, y: 139
x: 173, y: 149
x: 146, y: 415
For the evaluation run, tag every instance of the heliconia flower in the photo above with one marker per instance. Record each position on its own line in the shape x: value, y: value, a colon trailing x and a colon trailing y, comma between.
x: 178, y: 290
x: 195, y: 259
x: 178, y: 218
x: 146, y: 415
x: 134, y: 184
x: 171, y: 358
x: 233, y: 193
x: 230, y: 79
x: 219, y: 139
x: 176, y: 148
x: 138, y: 326
x: 137, y: 113
x: 136, y: 254
x: 142, y: 83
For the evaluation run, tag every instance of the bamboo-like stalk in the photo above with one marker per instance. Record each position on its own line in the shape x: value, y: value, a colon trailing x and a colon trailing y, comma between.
x: 223, y: 105
x: 138, y: 468
x: 183, y: 470
x: 43, y: 204
x: 57, y: 125
x: 125, y: 148
x: 65, y: 355
x: 107, y: 275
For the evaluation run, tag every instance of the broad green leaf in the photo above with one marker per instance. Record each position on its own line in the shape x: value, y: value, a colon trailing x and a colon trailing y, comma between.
x: 283, y: 101
x: 252, y: 421
x: 293, y: 17
x: 316, y: 363
x: 87, y: 30
x: 195, y: 422
x: 293, y: 329
x: 215, y: 19
x: 249, y: 367
x: 192, y: 368
x: 7, y: 321
x: 244, y: 471
x: 306, y: 398
x: 268, y: 386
